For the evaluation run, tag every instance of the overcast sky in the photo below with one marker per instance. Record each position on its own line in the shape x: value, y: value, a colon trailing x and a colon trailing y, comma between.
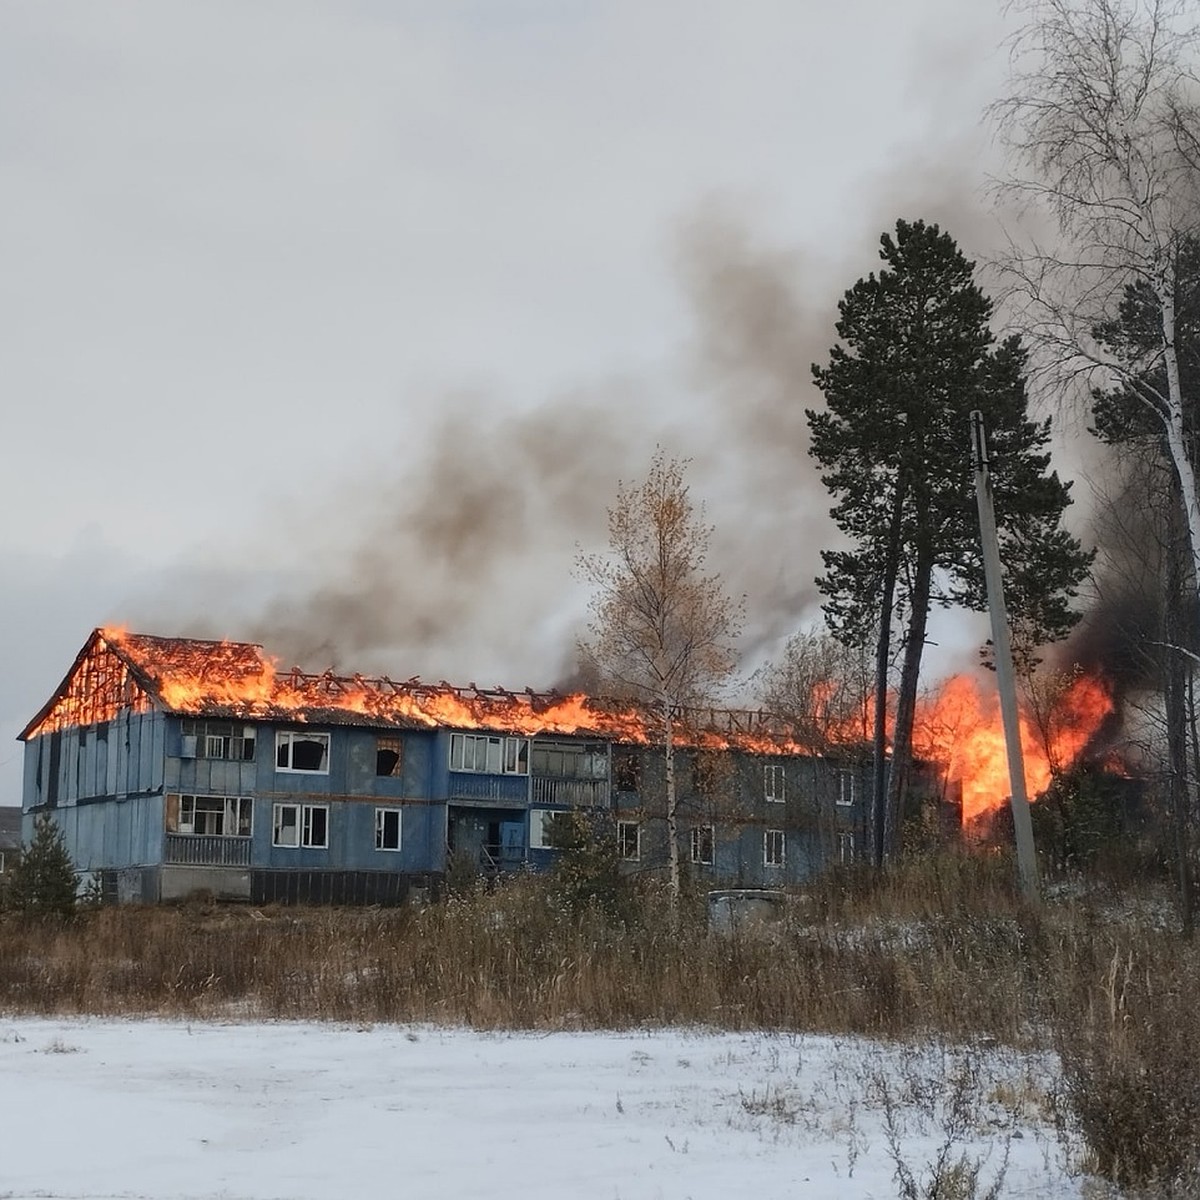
x: 334, y: 324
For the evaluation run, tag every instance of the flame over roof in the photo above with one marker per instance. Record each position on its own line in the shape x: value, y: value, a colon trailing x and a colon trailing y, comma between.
x: 120, y: 671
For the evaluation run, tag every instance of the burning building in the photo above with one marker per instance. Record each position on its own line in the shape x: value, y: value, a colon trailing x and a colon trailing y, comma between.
x: 175, y: 766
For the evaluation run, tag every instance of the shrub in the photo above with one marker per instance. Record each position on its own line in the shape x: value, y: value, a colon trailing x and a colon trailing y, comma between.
x: 588, y: 872
x: 1128, y: 1037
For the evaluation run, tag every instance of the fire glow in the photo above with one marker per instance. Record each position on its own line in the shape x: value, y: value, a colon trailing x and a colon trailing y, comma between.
x: 958, y: 727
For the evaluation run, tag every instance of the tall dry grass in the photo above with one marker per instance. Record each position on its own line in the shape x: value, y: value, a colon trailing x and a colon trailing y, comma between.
x: 940, y: 947
x: 943, y: 945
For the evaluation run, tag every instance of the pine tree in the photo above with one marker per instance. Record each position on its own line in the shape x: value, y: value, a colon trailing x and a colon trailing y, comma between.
x: 44, y: 879
x: 916, y: 356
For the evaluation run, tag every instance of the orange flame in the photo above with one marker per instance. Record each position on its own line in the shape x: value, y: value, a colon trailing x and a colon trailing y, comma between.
x: 960, y: 726
x: 239, y: 680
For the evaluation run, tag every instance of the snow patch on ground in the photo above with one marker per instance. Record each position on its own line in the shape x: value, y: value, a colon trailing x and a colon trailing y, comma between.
x: 129, y: 1109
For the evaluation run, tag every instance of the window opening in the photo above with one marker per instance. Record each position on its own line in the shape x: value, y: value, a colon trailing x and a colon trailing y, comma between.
x: 387, y: 829
x: 210, y: 816
x: 221, y: 739
x: 629, y: 840
x: 486, y: 754
x: 627, y: 771
x: 295, y: 751
x: 773, y: 784
x: 847, y: 787
x: 388, y: 756
x: 774, y: 847
x: 300, y: 825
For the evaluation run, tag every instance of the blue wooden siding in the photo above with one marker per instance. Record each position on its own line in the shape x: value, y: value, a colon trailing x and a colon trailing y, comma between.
x: 112, y: 760
x: 352, y: 837
x: 352, y: 758
x: 114, y: 834
x: 106, y: 783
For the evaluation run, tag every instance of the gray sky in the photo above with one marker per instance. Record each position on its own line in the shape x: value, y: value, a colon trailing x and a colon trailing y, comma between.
x: 334, y: 325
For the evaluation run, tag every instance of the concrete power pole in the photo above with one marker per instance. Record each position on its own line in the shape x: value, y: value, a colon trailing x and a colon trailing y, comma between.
x: 1002, y: 647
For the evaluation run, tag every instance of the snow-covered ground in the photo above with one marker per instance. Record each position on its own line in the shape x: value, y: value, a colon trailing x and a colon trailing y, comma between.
x: 103, y: 1108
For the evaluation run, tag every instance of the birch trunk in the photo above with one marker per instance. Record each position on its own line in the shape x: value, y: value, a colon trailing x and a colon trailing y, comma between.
x: 672, y: 815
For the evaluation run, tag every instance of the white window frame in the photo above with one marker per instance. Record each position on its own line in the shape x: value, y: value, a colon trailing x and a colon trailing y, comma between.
x: 381, y: 822
x: 539, y: 818
x: 776, y: 861
x: 500, y: 755
x: 845, y: 846
x: 774, y: 783
x: 847, y: 788
x: 698, y: 832
x: 287, y: 738
x: 235, y: 807
x: 221, y: 745
x: 302, y: 823
x: 636, y: 826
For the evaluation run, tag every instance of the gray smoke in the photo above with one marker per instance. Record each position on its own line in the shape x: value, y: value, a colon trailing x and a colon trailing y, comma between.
x: 456, y: 558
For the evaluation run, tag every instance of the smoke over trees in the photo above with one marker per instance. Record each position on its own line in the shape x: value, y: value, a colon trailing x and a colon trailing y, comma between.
x: 915, y: 357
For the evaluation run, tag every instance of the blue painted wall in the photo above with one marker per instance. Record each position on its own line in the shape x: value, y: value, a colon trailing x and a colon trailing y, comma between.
x: 114, y: 759
x: 113, y: 834
x: 106, y: 785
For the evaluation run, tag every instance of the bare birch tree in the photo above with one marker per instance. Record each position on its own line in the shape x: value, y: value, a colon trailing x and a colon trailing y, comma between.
x: 663, y: 627
x: 1102, y: 123
x: 822, y: 688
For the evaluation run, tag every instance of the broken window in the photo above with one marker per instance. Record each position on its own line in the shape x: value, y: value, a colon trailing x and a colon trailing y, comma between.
x: 300, y: 825
x: 627, y: 771
x: 845, y: 842
x: 773, y: 784
x: 774, y: 846
x: 629, y: 840
x: 221, y: 739
x: 490, y: 755
x: 295, y: 751
x: 702, y: 844
x: 387, y: 829
x: 210, y: 816
x: 388, y: 756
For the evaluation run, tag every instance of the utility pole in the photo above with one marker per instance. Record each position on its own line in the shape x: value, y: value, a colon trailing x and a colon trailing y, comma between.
x: 1002, y: 648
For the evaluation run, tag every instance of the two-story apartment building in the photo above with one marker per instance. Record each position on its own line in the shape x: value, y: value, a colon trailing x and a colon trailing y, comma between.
x: 175, y: 766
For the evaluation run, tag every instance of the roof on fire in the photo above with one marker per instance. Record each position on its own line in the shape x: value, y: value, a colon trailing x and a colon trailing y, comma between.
x: 120, y: 671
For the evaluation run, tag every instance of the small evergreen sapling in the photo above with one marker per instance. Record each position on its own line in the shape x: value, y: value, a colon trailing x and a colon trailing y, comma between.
x: 44, y: 879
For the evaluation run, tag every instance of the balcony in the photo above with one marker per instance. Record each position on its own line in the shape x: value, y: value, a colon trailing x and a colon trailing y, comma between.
x: 203, y: 850
x: 571, y: 793
x: 504, y: 790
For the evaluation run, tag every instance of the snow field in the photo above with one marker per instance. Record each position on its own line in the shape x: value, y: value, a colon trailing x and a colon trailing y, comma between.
x: 130, y: 1109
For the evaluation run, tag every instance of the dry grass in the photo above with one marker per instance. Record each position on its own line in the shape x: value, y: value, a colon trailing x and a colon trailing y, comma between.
x: 940, y: 948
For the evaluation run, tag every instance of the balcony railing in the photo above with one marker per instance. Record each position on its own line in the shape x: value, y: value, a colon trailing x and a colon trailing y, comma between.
x: 498, y: 789
x: 576, y: 793
x: 204, y: 850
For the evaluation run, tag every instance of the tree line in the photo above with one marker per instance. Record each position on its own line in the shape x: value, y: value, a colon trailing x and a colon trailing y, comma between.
x: 1101, y: 124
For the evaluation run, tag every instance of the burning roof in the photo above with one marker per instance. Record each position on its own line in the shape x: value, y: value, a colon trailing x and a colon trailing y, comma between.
x: 958, y: 726
x: 119, y: 671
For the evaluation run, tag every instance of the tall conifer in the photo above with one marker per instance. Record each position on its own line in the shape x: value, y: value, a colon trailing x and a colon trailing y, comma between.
x: 916, y: 355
